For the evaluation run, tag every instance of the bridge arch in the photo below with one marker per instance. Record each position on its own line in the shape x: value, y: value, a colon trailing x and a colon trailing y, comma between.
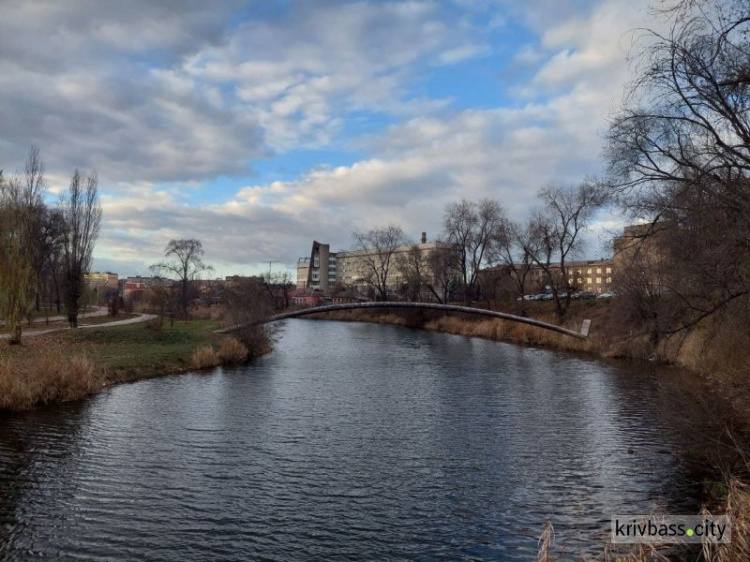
x: 583, y: 334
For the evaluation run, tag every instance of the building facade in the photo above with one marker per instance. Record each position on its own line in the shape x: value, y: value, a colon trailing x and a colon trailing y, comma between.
x: 325, y: 269
x: 102, y: 279
x: 592, y: 276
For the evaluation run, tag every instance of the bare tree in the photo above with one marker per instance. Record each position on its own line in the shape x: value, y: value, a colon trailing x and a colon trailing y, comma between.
x: 82, y: 216
x: 679, y: 151
x: 376, y: 249
x: 470, y: 226
x: 186, y: 264
x: 50, y: 241
x: 444, y: 269
x: 247, y: 301
x: 413, y: 269
x: 554, y: 234
x: 513, y: 247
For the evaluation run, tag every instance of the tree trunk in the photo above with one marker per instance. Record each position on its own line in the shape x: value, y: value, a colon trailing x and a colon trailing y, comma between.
x: 15, y: 337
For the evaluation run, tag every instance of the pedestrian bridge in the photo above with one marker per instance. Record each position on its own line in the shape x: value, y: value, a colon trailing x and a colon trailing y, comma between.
x: 583, y: 334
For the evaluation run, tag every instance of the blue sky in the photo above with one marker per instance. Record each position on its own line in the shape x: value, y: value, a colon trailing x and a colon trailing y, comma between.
x: 258, y: 126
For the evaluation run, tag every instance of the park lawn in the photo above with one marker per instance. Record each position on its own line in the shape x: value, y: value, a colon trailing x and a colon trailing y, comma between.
x: 135, y: 351
x: 123, y: 353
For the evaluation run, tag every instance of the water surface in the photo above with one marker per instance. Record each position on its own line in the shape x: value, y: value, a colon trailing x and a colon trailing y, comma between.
x: 349, y: 442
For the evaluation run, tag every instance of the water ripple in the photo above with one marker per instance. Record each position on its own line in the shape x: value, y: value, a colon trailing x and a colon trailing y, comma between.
x: 350, y: 442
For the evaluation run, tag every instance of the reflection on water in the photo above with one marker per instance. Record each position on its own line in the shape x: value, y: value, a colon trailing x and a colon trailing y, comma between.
x: 350, y: 441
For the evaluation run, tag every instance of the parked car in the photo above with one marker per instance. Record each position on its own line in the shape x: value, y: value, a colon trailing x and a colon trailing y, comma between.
x: 606, y: 296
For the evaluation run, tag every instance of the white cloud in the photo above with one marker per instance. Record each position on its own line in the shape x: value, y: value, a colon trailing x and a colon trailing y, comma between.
x: 171, y: 93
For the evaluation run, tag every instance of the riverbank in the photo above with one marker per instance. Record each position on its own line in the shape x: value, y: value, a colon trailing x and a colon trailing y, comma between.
x: 73, y: 364
x: 715, y: 352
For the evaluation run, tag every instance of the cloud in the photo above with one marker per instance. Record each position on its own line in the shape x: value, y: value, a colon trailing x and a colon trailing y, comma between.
x: 164, y: 97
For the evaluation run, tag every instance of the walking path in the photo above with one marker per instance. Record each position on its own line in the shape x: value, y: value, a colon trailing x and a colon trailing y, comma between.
x: 140, y: 318
x: 100, y: 311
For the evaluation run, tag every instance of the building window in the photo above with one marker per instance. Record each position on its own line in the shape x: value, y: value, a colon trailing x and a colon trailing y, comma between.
x: 598, y: 279
x: 588, y: 280
x: 609, y: 270
x: 609, y: 280
x: 598, y: 269
x: 589, y: 270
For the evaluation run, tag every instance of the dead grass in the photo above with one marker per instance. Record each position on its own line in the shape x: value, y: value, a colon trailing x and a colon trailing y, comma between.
x: 494, y: 329
x: 25, y: 383
x: 205, y: 357
x: 232, y: 351
x: 736, y: 505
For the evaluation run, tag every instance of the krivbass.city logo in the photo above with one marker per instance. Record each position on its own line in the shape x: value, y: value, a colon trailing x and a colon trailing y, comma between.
x: 671, y: 529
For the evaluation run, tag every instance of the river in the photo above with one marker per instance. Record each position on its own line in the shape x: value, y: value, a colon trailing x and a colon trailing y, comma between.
x: 349, y: 442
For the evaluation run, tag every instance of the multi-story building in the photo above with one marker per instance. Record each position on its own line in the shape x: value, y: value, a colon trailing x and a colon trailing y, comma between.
x: 303, y: 269
x: 594, y: 276
x: 102, y: 279
x: 324, y: 269
x: 641, y: 258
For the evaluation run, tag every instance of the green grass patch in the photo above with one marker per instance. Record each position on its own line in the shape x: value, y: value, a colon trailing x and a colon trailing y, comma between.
x: 137, y: 350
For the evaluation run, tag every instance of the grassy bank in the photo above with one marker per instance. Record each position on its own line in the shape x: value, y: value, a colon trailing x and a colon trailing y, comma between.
x: 72, y: 364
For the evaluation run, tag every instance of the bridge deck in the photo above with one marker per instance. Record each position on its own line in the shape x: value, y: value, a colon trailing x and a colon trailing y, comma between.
x: 583, y: 334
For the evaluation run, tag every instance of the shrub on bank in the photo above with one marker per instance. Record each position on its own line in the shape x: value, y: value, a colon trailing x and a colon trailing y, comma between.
x: 25, y: 383
x: 232, y: 351
x: 205, y: 357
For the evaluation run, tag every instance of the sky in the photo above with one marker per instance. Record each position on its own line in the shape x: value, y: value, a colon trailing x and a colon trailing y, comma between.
x: 258, y: 126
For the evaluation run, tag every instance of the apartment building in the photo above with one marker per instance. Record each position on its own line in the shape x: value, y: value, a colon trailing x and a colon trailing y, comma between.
x: 593, y: 276
x: 102, y: 279
x: 324, y: 269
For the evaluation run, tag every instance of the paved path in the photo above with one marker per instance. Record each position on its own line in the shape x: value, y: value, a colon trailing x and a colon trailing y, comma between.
x: 141, y: 318
x: 100, y: 311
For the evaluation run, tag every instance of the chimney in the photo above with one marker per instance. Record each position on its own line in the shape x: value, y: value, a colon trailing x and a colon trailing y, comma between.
x: 424, y: 238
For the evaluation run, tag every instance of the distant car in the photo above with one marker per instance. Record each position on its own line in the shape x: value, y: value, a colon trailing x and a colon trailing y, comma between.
x: 529, y: 297
x: 577, y: 295
x: 588, y: 295
x: 548, y: 297
x: 606, y: 296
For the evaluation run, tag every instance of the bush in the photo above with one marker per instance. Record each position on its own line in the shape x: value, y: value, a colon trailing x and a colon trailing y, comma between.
x: 232, y: 351
x: 205, y: 357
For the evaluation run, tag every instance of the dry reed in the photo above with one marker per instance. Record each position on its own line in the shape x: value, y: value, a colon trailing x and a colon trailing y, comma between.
x: 736, y: 506
x: 25, y: 383
x: 546, y: 540
x: 232, y: 351
x: 205, y: 357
